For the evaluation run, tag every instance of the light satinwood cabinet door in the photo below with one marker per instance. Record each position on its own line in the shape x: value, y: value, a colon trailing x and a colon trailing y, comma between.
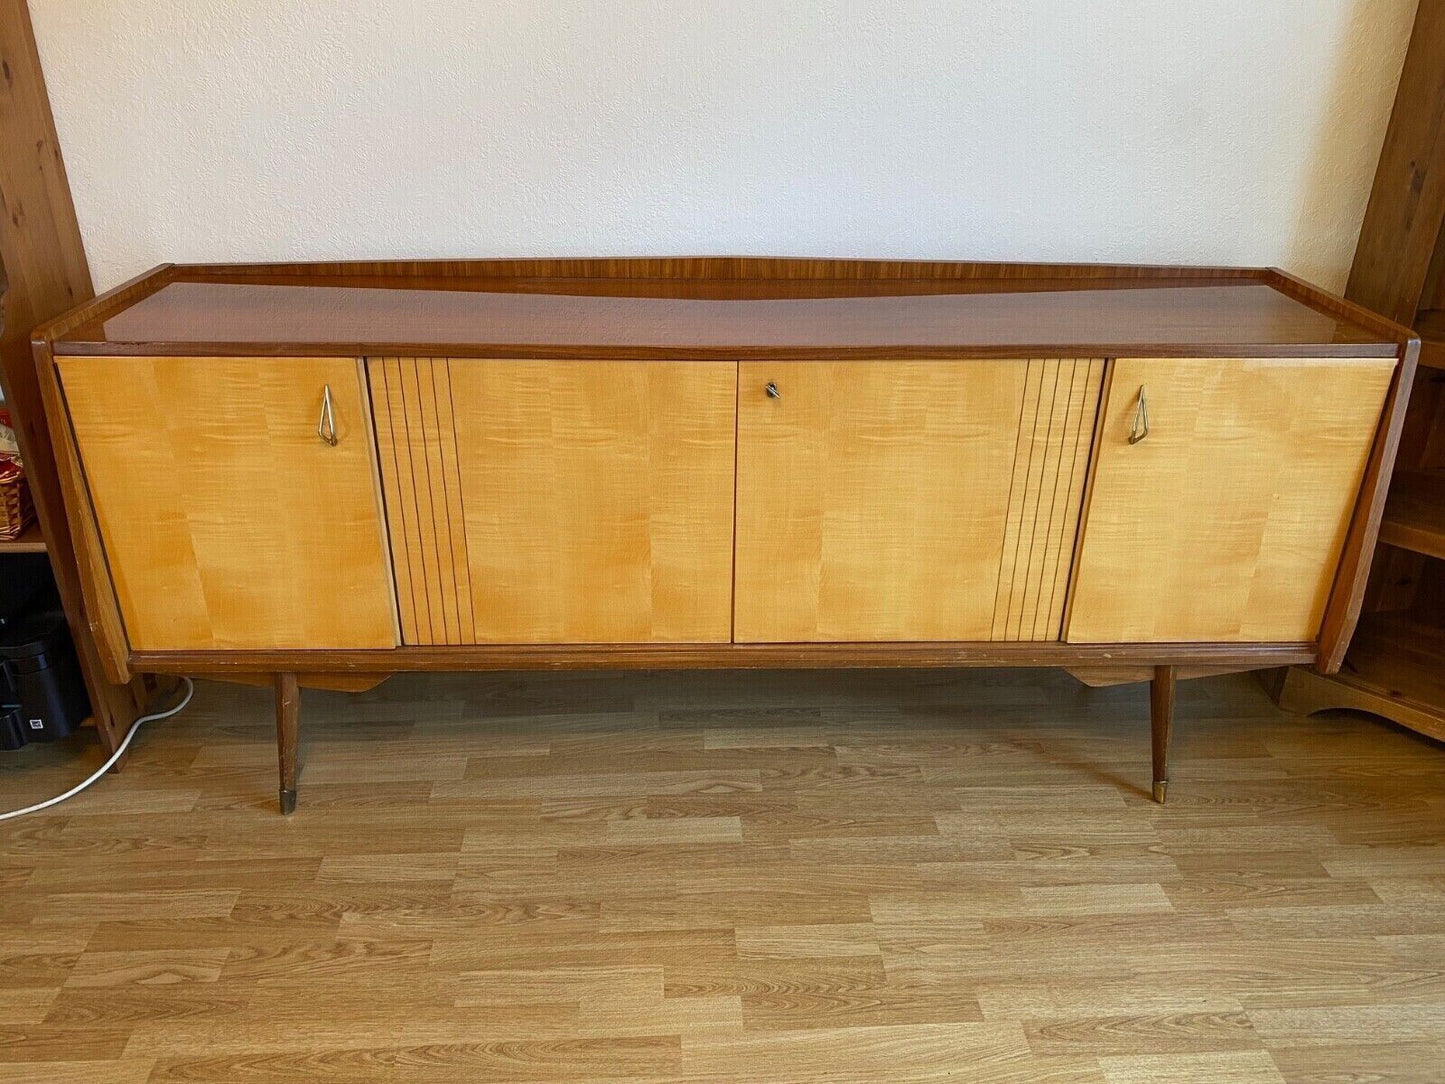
x: 1226, y: 522
x: 567, y: 502
x: 909, y: 500
x: 228, y: 521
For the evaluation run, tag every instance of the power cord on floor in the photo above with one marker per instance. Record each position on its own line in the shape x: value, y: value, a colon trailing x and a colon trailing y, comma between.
x: 120, y: 752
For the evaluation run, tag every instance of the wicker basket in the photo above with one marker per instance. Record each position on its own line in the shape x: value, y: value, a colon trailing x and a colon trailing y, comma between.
x: 16, y: 507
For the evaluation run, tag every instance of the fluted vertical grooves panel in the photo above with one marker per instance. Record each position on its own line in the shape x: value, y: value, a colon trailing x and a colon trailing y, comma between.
x: 1056, y: 431
x: 416, y: 445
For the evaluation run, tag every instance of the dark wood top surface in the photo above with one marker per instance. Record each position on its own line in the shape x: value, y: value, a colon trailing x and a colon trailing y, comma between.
x: 251, y: 311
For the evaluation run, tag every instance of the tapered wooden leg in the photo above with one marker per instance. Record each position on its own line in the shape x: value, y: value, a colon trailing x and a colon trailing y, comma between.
x: 288, y: 733
x: 1161, y: 725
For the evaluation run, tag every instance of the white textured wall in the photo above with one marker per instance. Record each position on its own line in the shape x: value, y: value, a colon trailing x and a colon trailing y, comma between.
x: 1219, y: 131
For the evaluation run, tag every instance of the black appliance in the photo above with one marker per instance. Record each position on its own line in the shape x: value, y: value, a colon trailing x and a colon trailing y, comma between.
x: 42, y: 694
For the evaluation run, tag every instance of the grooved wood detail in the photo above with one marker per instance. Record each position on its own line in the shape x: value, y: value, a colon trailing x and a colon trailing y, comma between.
x: 417, y: 445
x: 598, y: 501
x: 1056, y: 428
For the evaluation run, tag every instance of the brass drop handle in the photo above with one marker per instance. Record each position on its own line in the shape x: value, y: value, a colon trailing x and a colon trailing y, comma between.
x: 326, y: 427
x: 772, y: 390
x: 1140, y: 429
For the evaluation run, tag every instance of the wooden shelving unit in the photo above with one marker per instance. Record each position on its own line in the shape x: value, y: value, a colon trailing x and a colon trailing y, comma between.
x: 1393, y: 670
x: 43, y: 272
x: 1430, y: 323
x: 1396, y: 663
x: 1415, y: 515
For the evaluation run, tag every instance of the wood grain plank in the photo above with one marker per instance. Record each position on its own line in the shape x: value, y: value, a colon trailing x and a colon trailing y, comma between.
x: 579, y: 885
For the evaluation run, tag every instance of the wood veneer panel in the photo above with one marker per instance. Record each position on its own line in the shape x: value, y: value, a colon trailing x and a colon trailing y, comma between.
x: 751, y: 318
x: 566, y: 502
x: 1228, y: 521
x: 874, y: 497
x: 227, y: 521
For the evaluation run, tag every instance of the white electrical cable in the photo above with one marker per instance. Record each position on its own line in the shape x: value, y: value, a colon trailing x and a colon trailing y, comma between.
x: 124, y: 745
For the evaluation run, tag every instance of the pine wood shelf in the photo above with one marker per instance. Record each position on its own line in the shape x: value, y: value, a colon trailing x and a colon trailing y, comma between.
x: 1430, y: 323
x: 1395, y: 666
x: 1393, y: 670
x: 1415, y: 515
x: 30, y: 541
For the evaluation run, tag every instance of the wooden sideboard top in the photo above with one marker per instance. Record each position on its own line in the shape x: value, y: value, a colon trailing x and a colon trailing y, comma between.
x: 720, y: 307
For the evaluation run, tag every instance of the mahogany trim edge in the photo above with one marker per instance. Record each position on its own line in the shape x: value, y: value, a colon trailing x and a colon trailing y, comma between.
x: 721, y: 656
x: 524, y: 351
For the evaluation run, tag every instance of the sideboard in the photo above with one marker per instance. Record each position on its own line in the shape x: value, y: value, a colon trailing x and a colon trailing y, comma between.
x: 327, y: 473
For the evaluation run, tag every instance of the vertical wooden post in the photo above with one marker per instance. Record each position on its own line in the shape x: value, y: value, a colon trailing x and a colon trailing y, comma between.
x: 43, y: 272
x: 288, y: 734
x: 1161, y: 726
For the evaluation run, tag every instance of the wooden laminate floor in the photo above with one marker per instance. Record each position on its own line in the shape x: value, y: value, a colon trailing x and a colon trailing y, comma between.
x: 732, y: 877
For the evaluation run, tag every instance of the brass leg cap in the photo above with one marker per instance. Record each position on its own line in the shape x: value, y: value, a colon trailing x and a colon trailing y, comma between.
x: 288, y: 802
x: 1161, y: 790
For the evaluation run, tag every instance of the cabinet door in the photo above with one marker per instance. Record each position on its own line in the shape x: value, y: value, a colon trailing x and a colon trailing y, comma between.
x: 909, y: 501
x: 536, y: 502
x: 227, y: 521
x: 1226, y: 522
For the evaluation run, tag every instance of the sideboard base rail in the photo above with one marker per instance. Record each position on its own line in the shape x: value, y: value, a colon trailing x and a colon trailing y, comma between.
x: 820, y: 656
